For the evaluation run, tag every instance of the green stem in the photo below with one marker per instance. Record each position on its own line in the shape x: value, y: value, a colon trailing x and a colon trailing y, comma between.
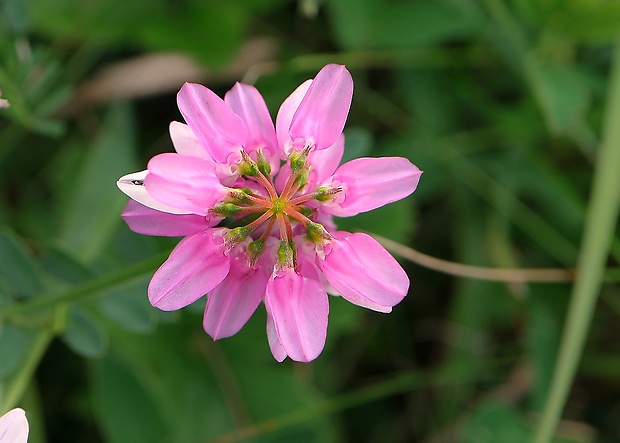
x: 85, y: 290
x: 600, y: 223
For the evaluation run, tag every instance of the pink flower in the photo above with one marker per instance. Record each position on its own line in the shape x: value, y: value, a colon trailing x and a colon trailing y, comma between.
x: 255, y: 204
x: 14, y: 427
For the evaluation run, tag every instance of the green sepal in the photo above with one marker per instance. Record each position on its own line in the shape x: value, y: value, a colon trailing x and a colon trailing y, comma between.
x: 226, y: 209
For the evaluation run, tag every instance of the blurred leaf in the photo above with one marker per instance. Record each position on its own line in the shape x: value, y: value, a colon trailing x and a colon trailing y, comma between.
x: 210, y: 31
x: 494, y: 422
x: 171, y: 381
x: 13, y: 345
x: 128, y: 306
x: 88, y: 21
x: 125, y: 411
x: 546, y: 308
x: 95, y: 204
x: 64, y: 268
x: 83, y: 335
x: 200, y: 389
x: 368, y: 24
x: 17, y: 266
x: 15, y: 13
x: 595, y: 21
x: 564, y: 96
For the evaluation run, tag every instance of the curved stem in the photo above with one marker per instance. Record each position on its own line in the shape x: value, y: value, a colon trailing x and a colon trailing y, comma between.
x: 516, y: 275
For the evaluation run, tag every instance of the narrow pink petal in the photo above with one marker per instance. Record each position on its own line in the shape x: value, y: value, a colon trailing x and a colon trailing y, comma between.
x: 232, y: 302
x: 185, y: 182
x: 323, y: 111
x: 196, y: 266
x: 219, y: 129
x: 285, y: 116
x: 144, y: 220
x: 299, y: 307
x: 363, y: 272
x: 185, y: 141
x: 277, y: 350
x: 247, y: 103
x: 373, y: 182
x: 133, y: 186
x: 14, y: 427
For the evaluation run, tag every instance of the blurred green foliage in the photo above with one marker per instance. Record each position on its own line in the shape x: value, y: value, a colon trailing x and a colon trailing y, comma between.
x: 499, y: 102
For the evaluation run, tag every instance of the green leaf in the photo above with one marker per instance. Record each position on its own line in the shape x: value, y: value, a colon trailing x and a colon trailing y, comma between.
x: 83, y: 335
x: 125, y: 410
x: 95, y: 203
x: 63, y: 267
x: 563, y: 94
x: 368, y: 24
x: 17, y: 266
x: 128, y: 306
x: 546, y: 308
x: 210, y: 31
x: 494, y: 422
x: 201, y: 389
x: 13, y: 345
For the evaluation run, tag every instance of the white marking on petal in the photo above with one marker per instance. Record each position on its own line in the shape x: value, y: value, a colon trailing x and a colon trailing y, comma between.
x: 133, y: 186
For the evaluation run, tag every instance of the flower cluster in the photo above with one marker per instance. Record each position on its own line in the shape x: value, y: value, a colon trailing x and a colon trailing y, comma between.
x: 255, y: 204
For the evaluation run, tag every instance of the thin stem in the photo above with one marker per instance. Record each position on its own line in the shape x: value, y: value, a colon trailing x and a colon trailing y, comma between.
x: 518, y: 275
x: 599, y: 227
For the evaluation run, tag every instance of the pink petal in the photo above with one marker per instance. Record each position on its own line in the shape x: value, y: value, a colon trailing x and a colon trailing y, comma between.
x: 274, y: 342
x: 196, y: 266
x: 299, y: 308
x: 247, y: 103
x: 219, y: 129
x: 144, y: 220
x: 232, y: 302
x: 285, y: 116
x: 14, y: 427
x: 323, y: 111
x: 185, y: 182
x: 363, y: 272
x: 133, y: 186
x: 373, y: 182
x: 185, y: 141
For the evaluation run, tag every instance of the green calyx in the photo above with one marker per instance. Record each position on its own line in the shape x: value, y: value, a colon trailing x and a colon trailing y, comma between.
x: 255, y: 249
x: 286, y: 254
x: 235, y: 236
x: 248, y: 168
x: 263, y: 165
x: 226, y: 209
x: 297, y: 161
x: 325, y: 193
x: 316, y: 233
